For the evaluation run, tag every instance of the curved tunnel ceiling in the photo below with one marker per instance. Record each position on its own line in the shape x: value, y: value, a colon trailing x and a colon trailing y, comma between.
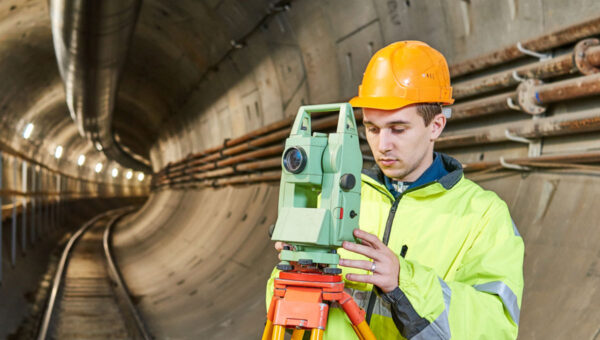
x: 201, y: 71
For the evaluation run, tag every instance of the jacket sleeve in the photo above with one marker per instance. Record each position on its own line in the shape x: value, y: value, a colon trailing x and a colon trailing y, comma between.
x: 271, y: 287
x: 481, y: 299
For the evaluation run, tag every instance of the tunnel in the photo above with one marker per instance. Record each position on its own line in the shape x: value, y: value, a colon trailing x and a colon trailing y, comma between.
x: 180, y: 109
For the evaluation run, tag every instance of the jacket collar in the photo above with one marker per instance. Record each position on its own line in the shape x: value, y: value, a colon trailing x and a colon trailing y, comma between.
x: 448, y: 179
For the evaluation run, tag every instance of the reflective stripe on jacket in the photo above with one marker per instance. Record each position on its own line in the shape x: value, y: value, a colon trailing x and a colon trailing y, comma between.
x: 462, y: 277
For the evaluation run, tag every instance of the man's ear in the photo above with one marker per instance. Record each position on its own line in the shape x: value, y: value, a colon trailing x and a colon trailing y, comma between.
x: 437, y: 126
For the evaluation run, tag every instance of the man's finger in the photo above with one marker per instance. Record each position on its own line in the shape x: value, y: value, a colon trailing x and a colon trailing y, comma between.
x: 365, y: 242
x: 363, y: 235
x: 279, y: 246
x: 361, y: 278
x: 367, y: 251
x: 359, y: 264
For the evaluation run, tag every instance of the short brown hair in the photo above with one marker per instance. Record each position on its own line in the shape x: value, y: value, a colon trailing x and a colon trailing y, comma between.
x: 428, y: 110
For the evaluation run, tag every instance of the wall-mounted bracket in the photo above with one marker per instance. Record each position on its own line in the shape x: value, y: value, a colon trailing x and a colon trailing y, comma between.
x: 540, y: 56
x: 535, y: 145
x: 511, y: 104
x: 511, y: 166
x: 517, y: 77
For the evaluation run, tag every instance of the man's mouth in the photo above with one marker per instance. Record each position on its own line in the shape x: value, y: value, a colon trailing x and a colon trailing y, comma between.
x: 387, y: 161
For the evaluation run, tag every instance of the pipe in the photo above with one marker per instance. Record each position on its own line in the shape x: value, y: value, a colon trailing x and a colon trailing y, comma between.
x: 558, y: 66
x: 570, y: 159
x: 567, y: 89
x: 276, y: 136
x: 565, y: 161
x: 482, y: 107
x: 542, y: 43
x: 255, y: 168
x: 563, y: 124
x: 530, y: 95
x: 91, y: 39
x: 245, y: 167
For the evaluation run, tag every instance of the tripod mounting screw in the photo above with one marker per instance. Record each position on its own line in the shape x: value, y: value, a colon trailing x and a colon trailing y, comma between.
x: 331, y: 270
x: 284, y: 266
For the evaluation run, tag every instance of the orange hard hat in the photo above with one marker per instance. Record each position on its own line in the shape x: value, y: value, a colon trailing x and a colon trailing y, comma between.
x: 404, y: 73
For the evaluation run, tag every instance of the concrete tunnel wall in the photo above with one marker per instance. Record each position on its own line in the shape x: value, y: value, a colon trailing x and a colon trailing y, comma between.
x: 196, y: 260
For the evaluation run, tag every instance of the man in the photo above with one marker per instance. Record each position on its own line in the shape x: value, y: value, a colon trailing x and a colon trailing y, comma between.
x: 440, y: 257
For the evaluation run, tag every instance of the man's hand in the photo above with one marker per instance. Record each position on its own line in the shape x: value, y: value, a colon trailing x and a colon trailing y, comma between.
x: 279, y: 247
x: 387, y: 266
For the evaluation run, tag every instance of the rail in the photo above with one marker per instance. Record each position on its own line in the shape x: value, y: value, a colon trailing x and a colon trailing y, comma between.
x: 57, y: 283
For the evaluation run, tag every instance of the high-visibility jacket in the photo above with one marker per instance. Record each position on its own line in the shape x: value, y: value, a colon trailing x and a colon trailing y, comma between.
x: 462, y: 276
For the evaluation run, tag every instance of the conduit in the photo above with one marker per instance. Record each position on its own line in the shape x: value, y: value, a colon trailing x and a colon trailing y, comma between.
x: 585, y: 59
x: 543, y: 43
x: 91, y: 40
x: 564, y: 124
x: 529, y: 97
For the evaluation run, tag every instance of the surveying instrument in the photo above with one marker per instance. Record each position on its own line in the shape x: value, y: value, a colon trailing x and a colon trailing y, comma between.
x: 319, y: 204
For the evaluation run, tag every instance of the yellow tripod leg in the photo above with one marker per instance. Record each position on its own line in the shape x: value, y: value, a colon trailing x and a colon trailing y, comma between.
x: 268, y: 332
x: 278, y: 332
x: 365, y: 331
x: 316, y: 334
x: 358, y: 333
x: 298, y: 334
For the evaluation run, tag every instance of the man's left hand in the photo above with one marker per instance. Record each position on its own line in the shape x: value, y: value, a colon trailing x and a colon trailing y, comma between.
x: 384, y: 260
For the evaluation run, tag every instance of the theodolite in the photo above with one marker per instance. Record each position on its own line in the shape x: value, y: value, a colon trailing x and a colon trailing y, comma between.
x: 319, y: 197
x: 319, y: 206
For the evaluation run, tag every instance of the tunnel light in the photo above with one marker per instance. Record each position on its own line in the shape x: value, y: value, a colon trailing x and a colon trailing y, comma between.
x: 114, y: 172
x: 140, y: 176
x: 81, y: 160
x: 129, y: 174
x: 58, y: 152
x: 98, y: 146
x: 98, y: 167
x: 28, y: 131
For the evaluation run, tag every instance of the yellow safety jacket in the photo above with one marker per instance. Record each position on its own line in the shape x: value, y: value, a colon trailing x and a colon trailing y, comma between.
x: 462, y: 276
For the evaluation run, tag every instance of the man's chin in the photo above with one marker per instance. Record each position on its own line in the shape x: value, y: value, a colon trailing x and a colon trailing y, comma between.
x: 396, y: 174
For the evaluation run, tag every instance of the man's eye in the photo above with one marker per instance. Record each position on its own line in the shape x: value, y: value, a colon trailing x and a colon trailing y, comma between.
x: 397, y: 130
x: 373, y: 129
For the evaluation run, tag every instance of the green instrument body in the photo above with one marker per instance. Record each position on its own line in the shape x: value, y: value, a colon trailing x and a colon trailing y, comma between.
x: 319, y: 198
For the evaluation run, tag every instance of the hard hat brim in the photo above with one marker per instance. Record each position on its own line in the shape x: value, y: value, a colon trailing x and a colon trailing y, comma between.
x: 381, y: 103
x: 387, y: 103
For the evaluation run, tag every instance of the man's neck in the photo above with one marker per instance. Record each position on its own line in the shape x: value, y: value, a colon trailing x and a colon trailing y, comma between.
x: 434, y: 172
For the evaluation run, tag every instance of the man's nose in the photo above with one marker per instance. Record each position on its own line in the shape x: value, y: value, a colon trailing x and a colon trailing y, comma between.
x: 385, y: 141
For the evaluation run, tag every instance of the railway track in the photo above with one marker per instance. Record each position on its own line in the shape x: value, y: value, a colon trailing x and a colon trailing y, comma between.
x: 88, y: 299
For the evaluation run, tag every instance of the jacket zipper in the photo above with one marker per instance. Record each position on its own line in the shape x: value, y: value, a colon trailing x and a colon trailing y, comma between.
x: 386, y: 239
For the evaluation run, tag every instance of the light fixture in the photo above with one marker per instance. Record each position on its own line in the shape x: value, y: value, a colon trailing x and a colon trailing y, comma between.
x: 129, y: 174
x: 98, y: 146
x: 141, y: 176
x: 98, y: 167
x: 28, y: 131
x: 114, y: 172
x: 81, y: 160
x: 58, y: 152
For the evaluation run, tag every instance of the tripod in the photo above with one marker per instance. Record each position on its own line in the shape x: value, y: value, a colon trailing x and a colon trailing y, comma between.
x: 299, y: 302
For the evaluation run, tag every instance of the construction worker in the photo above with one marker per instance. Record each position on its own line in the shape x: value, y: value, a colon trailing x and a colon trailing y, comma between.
x: 440, y: 257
